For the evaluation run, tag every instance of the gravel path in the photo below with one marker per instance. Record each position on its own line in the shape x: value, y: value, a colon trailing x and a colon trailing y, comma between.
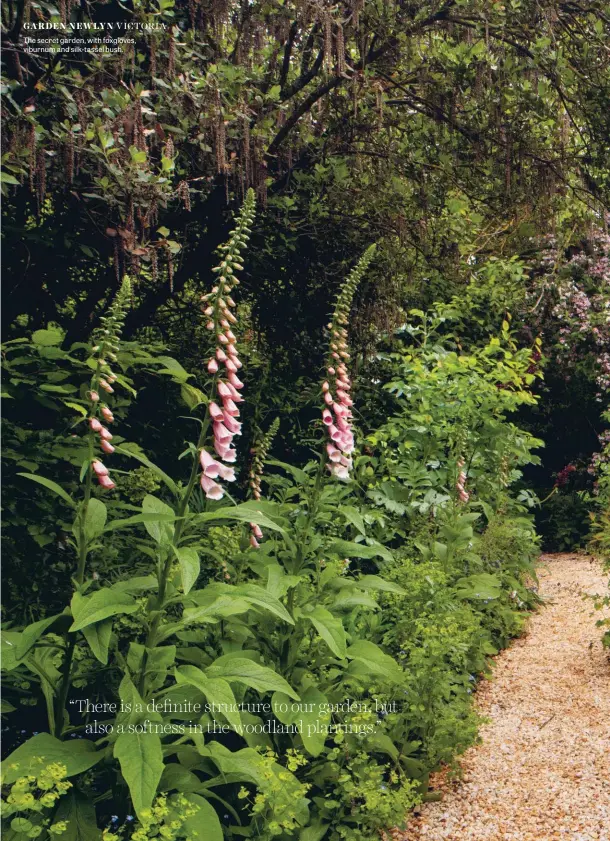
x: 542, y: 772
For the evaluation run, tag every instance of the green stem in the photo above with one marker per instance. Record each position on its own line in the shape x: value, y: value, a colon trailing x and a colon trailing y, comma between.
x: 70, y: 639
x: 164, y: 571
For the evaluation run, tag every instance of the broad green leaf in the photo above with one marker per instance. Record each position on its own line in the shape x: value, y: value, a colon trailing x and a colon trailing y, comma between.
x: 244, y: 513
x: 47, y: 338
x: 50, y: 485
x: 330, y: 629
x: 255, y: 595
x: 216, y: 690
x: 374, y: 659
x: 140, y: 756
x: 77, y: 755
x: 32, y: 633
x: 159, y: 530
x: 164, y: 519
x: 189, y: 567
x: 95, y: 519
x: 375, y: 582
x: 313, y: 723
x: 353, y: 516
x: 204, y: 825
x: 99, y: 605
x: 232, y: 667
x: 98, y: 637
x: 481, y: 586
x: 79, y: 813
x: 315, y: 832
x: 349, y: 549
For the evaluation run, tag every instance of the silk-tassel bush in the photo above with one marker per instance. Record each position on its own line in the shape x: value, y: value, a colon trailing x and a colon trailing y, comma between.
x: 259, y: 454
x: 218, y: 307
x: 104, y: 352
x: 336, y: 388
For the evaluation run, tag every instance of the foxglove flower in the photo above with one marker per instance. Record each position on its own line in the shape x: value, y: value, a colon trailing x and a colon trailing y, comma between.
x: 337, y: 412
x: 461, y: 482
x: 224, y: 362
x: 105, y: 347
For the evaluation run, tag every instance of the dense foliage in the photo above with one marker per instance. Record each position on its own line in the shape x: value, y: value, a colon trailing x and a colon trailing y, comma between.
x: 275, y: 499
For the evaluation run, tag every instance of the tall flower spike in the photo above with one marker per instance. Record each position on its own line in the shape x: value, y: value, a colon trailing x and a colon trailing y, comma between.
x: 461, y: 482
x: 336, y: 388
x: 105, y: 346
x: 259, y: 453
x: 224, y: 361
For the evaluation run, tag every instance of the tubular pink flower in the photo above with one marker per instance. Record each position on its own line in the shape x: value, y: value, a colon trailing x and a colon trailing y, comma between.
x: 254, y: 542
x: 99, y: 468
x: 95, y: 425
x: 235, y: 381
x: 227, y: 473
x: 215, y: 411
x: 327, y: 418
x: 220, y: 354
x: 328, y: 398
x: 93, y: 396
x: 230, y: 407
x: 221, y: 433
x: 106, y: 482
x: 230, y: 366
x: 105, y: 434
x: 256, y: 530
x: 234, y: 394
x: 223, y: 389
x: 108, y: 416
x: 209, y: 465
x: 212, y: 366
x: 211, y: 488
x: 224, y: 451
x: 106, y: 447
x: 333, y: 453
x: 231, y: 424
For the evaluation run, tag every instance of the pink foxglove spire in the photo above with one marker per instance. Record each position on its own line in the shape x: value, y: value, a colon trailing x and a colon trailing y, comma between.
x: 337, y: 412
x: 224, y: 362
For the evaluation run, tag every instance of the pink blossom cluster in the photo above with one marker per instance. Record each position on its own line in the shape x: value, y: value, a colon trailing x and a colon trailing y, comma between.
x: 224, y: 364
x: 582, y: 316
x: 337, y: 412
x: 460, y: 485
x: 101, y: 472
x: 223, y: 411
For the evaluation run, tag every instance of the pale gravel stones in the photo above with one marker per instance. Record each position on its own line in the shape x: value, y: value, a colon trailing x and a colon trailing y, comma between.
x: 542, y: 772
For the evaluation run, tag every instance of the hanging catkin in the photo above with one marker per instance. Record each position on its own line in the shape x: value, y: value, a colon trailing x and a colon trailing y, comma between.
x: 153, y: 61
x: 32, y: 157
x: 340, y: 42
x: 328, y: 41
x: 246, y: 154
x: 171, y: 54
x: 69, y: 157
x: 41, y: 178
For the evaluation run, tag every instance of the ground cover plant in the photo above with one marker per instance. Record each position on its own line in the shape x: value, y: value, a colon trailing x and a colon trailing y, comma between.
x: 305, y: 359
